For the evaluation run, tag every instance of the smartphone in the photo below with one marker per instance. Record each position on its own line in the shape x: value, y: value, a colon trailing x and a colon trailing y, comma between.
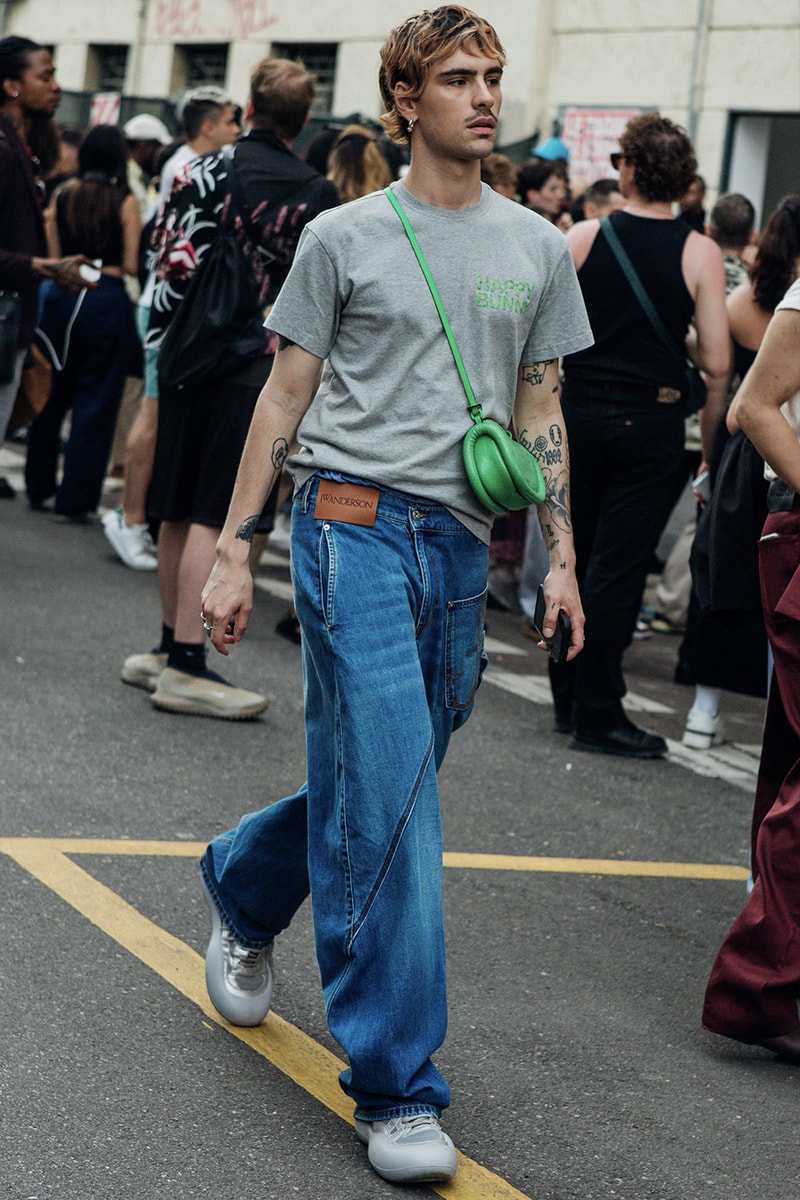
x: 558, y: 644
x: 702, y: 485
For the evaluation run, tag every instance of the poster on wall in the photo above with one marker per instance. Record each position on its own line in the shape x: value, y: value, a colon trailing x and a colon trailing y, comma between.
x: 591, y: 135
x: 105, y: 108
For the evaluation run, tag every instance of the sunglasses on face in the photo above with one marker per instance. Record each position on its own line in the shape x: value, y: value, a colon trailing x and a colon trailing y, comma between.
x: 616, y: 159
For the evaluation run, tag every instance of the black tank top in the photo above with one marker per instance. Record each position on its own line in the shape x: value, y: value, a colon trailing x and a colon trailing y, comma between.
x: 627, y: 351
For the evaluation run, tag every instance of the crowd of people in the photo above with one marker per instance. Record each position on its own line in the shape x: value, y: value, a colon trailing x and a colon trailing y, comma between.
x: 634, y: 301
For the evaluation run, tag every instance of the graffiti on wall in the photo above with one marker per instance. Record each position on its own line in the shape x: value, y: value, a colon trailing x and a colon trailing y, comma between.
x: 181, y: 19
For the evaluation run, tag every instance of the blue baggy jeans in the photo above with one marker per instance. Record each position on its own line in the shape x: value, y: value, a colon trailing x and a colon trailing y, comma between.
x: 392, y: 619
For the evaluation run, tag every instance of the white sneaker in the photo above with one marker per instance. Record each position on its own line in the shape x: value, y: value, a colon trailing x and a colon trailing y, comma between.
x: 132, y: 543
x: 703, y: 730
x: 205, y: 695
x: 143, y: 670
x: 408, y: 1149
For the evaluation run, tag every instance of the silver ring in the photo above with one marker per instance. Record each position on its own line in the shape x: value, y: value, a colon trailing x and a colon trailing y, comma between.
x: 208, y: 628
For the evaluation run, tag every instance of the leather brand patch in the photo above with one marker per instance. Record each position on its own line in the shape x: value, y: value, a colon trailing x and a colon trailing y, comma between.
x: 349, y: 502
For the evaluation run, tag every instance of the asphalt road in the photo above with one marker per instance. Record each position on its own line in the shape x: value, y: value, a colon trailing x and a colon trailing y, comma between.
x: 585, y: 897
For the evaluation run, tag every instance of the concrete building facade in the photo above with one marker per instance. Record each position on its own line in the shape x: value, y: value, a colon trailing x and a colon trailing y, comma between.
x: 728, y: 70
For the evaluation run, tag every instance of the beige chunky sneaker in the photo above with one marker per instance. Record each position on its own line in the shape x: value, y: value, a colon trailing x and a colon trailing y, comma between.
x: 143, y: 670
x: 205, y: 695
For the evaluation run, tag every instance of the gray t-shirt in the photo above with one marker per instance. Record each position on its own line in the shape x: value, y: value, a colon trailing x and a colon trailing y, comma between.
x: 391, y: 407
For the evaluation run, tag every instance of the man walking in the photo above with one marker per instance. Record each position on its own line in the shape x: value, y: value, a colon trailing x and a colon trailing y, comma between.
x: 29, y: 97
x: 625, y: 406
x: 208, y: 119
x: 202, y: 428
x: 389, y: 559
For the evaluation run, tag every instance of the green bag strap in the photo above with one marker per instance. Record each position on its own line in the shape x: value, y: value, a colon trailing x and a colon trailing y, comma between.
x: 473, y: 406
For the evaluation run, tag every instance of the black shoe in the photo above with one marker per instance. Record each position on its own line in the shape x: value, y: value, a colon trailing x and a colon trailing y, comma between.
x: 6, y: 490
x: 289, y: 627
x: 624, y: 740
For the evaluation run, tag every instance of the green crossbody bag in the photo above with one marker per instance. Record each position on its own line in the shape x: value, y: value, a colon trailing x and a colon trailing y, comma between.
x: 503, y: 474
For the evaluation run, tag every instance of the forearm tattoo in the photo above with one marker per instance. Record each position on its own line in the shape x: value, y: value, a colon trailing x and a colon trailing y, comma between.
x: 552, y: 454
x: 246, y: 531
x: 283, y: 343
x: 280, y: 452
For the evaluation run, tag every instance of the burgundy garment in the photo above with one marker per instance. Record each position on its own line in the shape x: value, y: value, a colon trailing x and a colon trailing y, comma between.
x: 21, y: 226
x: 752, y: 993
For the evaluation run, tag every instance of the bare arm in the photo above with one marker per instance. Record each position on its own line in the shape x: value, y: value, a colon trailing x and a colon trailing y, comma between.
x: 539, y: 425
x: 131, y: 220
x: 708, y: 344
x: 51, y: 228
x: 228, y: 595
x: 773, y: 379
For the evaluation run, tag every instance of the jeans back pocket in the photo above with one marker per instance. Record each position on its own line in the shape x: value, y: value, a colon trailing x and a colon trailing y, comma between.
x: 466, y: 659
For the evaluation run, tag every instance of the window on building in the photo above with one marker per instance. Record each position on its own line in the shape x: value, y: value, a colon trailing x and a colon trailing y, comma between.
x: 198, y: 65
x: 320, y: 59
x: 105, y: 68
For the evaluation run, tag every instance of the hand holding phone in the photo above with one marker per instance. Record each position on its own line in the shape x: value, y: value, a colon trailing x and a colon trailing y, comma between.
x: 702, y: 486
x: 558, y: 644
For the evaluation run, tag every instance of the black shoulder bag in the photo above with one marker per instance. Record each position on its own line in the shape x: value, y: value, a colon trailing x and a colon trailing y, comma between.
x: 218, y: 327
x: 694, y: 392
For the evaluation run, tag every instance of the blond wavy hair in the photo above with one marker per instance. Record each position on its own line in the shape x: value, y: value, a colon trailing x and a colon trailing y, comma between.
x: 413, y: 47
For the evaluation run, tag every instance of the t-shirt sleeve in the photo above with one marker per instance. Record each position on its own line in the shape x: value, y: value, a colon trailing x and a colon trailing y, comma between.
x: 561, y: 325
x: 307, y: 309
x: 792, y: 298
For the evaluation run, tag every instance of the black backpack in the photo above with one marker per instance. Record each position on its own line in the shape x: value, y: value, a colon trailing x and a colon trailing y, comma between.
x: 218, y: 327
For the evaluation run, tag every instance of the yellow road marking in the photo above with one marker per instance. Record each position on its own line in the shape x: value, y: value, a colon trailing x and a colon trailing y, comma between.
x: 473, y: 862
x: 298, y: 1056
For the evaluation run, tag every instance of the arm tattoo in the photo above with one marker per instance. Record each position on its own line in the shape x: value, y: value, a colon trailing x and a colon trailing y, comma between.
x: 246, y: 531
x: 533, y: 373
x: 284, y: 343
x: 553, y: 457
x: 280, y: 452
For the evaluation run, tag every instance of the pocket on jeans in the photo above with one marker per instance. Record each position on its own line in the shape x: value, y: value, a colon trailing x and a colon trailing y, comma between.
x: 465, y: 660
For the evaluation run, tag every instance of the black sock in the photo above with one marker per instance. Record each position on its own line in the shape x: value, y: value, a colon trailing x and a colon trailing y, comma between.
x: 187, y: 656
x: 167, y: 638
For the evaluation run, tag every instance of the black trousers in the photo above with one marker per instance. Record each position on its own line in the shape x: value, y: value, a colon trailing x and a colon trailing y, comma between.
x: 627, y: 460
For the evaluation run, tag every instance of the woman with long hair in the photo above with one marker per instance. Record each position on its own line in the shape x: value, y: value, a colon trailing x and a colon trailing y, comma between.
x: 726, y: 647
x: 356, y: 165
x: 90, y: 338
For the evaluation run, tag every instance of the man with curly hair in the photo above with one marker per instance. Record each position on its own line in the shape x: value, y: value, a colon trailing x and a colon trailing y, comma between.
x: 624, y: 406
x: 389, y: 560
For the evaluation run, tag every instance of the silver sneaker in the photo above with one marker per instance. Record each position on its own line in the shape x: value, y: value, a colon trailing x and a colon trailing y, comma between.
x: 144, y: 670
x: 409, y: 1149
x: 132, y: 543
x: 239, y: 981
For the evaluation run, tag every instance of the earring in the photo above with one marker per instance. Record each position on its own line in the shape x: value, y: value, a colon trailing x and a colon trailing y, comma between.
x: 410, y: 125
x: 15, y: 95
